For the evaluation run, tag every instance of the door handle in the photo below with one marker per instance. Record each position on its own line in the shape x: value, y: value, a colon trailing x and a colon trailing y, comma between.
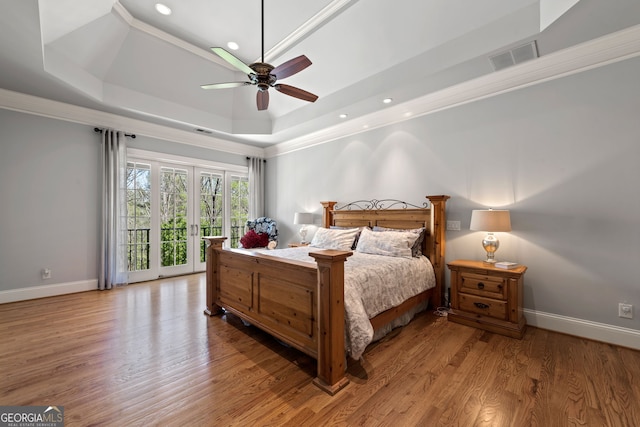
x: 481, y: 305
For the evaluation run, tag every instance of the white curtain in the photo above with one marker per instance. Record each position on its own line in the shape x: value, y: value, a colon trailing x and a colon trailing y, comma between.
x: 113, y: 241
x: 256, y: 187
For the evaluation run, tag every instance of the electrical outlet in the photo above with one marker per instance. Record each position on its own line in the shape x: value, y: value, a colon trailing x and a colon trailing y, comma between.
x: 625, y: 310
x: 46, y: 273
x: 453, y: 225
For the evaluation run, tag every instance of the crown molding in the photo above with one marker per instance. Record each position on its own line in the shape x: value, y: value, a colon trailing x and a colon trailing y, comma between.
x: 161, y: 35
x: 72, y: 113
x: 609, y: 49
x: 315, y: 22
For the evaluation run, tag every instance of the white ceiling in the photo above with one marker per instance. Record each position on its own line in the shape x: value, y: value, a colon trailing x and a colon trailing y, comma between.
x: 125, y: 58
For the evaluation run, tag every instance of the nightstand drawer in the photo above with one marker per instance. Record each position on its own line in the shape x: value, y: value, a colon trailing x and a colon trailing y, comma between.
x: 482, y: 285
x: 485, y: 306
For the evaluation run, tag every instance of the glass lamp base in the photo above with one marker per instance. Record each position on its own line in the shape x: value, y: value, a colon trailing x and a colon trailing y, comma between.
x: 491, y: 245
x: 303, y: 235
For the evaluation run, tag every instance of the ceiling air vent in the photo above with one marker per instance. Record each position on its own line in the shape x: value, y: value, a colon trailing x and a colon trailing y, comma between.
x: 200, y: 130
x: 514, y: 56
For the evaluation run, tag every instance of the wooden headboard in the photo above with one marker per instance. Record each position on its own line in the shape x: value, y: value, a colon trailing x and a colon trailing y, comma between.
x: 397, y: 214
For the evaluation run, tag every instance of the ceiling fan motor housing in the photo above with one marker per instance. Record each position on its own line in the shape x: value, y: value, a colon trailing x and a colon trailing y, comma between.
x: 262, y: 77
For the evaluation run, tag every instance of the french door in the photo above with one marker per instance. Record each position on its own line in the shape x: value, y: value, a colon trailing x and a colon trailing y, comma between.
x: 170, y: 206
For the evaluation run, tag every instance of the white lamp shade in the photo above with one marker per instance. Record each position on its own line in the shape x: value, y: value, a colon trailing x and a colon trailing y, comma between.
x: 303, y: 218
x: 490, y: 220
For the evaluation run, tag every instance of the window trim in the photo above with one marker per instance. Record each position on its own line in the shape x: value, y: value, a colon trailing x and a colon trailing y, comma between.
x: 187, y: 161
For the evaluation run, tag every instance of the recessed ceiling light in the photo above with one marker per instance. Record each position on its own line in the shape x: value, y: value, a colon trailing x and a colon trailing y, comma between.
x: 163, y: 9
x: 233, y: 45
x: 343, y: 116
x: 387, y: 100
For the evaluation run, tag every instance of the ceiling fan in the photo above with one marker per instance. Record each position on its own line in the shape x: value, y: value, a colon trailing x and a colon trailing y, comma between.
x: 265, y: 75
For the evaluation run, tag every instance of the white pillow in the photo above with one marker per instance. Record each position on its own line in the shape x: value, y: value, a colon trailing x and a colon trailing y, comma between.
x: 389, y: 243
x: 331, y: 238
x: 416, y: 250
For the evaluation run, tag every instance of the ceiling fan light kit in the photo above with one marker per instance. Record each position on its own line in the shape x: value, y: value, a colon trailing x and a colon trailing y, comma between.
x: 265, y: 75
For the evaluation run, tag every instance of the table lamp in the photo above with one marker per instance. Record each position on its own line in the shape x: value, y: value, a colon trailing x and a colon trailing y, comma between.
x: 491, y: 221
x: 303, y: 218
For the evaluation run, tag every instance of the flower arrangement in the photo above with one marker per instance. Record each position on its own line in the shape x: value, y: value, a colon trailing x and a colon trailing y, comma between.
x: 254, y: 240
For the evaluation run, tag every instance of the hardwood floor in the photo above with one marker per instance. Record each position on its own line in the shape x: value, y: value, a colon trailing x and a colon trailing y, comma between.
x: 147, y: 355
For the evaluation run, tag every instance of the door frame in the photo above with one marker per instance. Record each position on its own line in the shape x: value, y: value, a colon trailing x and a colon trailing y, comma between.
x: 193, y: 166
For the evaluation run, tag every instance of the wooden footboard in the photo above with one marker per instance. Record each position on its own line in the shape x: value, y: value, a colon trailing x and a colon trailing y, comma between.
x: 299, y: 303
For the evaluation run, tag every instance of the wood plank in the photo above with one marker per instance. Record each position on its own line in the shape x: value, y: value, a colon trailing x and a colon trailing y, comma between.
x: 146, y: 355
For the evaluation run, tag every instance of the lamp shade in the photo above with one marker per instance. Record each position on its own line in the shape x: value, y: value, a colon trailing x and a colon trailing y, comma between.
x: 303, y: 218
x: 490, y: 220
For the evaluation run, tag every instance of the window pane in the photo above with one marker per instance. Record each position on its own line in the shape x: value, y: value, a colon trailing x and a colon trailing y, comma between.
x: 138, y: 215
x: 239, y: 207
x: 173, y: 216
x: 211, y: 206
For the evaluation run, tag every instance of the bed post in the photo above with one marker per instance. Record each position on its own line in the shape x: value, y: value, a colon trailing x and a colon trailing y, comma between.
x: 437, y: 245
x: 214, y: 244
x: 327, y: 207
x: 331, y: 352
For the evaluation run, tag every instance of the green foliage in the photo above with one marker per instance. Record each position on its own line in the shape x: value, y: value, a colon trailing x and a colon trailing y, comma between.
x: 173, y: 242
x: 173, y: 209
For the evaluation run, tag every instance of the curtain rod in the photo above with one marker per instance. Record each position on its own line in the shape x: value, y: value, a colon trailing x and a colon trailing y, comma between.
x: 131, y: 135
x: 264, y: 160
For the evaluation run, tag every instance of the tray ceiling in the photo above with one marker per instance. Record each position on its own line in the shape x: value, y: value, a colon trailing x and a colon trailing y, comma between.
x: 125, y: 58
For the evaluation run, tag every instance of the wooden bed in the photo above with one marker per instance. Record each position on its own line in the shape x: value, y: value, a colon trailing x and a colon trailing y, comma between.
x: 303, y: 305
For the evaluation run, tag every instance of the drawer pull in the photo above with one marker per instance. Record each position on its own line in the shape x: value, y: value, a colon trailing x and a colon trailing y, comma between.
x: 480, y: 285
x: 481, y: 305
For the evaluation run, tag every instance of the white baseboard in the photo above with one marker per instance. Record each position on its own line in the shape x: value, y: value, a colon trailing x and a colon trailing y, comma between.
x: 34, y: 292
x: 617, y: 335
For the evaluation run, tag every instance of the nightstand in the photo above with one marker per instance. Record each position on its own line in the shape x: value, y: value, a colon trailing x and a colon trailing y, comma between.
x: 297, y: 245
x: 487, y: 297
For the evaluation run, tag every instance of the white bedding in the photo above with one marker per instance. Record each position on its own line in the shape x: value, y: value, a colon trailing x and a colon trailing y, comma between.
x: 373, y: 284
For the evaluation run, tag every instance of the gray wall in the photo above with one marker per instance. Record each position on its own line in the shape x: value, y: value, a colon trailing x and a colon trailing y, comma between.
x: 50, y: 197
x: 49, y: 191
x: 563, y: 156
x: 195, y: 152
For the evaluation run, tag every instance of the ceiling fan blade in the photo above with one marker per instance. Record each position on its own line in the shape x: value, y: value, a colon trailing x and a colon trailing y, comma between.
x: 224, y: 85
x: 296, y: 92
x: 263, y: 100
x: 231, y: 59
x: 291, y: 67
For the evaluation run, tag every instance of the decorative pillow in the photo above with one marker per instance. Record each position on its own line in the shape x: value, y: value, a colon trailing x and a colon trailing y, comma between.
x: 254, y: 240
x: 331, y: 238
x: 389, y: 243
x: 416, y: 249
x: 355, y: 242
